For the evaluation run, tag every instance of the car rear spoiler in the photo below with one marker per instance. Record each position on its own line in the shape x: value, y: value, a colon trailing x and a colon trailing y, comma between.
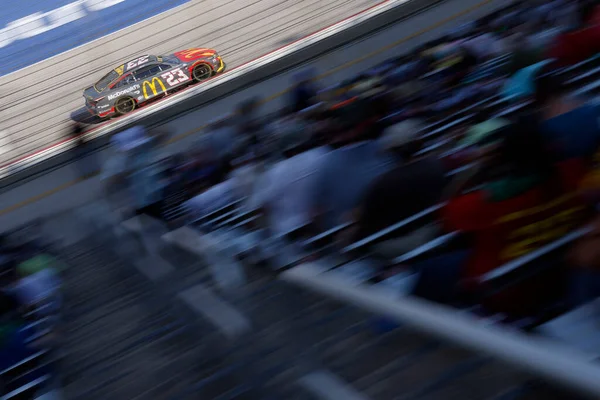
x: 91, y: 93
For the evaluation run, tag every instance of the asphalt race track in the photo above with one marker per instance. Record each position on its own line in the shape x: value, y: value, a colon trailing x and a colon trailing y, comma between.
x: 38, y: 103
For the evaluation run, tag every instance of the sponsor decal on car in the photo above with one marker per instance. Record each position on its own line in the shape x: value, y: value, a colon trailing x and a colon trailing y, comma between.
x: 175, y: 77
x: 152, y: 85
x: 137, y: 62
x: 192, y: 54
x: 124, y: 91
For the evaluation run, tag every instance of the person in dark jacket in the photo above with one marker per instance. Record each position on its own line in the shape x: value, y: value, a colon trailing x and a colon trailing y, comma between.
x: 303, y: 93
x: 84, y: 159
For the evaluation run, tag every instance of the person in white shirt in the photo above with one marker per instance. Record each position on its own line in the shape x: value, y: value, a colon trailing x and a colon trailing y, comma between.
x: 283, y: 191
x: 239, y: 184
x: 210, y: 200
x: 130, y: 175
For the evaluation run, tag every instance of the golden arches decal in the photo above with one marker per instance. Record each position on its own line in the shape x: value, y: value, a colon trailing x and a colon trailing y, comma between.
x: 152, y: 86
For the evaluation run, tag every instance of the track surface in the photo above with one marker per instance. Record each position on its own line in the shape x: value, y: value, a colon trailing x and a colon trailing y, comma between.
x: 39, y: 103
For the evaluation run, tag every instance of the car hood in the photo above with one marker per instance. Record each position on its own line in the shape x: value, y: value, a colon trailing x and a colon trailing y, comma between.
x: 194, y: 54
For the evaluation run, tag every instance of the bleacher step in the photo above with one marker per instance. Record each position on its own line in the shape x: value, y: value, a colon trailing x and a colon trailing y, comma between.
x: 118, y: 343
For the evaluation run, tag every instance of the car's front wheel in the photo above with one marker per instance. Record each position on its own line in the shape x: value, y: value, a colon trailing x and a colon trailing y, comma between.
x: 124, y: 105
x: 202, y: 72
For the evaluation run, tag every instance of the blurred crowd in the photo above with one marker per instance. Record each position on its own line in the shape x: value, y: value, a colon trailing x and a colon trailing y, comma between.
x: 358, y: 155
x: 355, y: 153
x: 30, y: 290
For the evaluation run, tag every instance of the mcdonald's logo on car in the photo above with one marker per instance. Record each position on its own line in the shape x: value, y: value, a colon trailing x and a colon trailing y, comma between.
x: 152, y: 85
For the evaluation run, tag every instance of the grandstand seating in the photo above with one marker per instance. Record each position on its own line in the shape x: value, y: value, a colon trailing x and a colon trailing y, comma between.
x: 584, y: 78
x: 35, y: 373
x: 236, y: 226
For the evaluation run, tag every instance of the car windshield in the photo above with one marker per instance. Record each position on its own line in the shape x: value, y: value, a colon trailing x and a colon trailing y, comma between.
x: 106, y: 80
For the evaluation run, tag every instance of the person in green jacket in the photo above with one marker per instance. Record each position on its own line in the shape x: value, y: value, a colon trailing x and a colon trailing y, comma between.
x: 37, y: 263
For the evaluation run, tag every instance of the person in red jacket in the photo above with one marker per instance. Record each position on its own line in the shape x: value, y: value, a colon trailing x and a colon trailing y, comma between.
x: 582, y: 42
x: 527, y: 200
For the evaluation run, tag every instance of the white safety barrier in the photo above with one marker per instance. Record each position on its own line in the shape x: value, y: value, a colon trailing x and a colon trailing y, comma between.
x: 151, y: 265
x: 227, y: 273
x: 559, y: 365
x: 231, y: 322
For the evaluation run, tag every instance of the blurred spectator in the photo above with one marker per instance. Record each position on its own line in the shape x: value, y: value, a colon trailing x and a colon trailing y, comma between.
x: 237, y: 185
x: 465, y: 64
x: 527, y: 43
x: 520, y: 55
x: 418, y: 108
x: 484, y: 125
x: 160, y: 136
x: 203, y: 169
x: 288, y: 122
x: 525, y: 202
x: 249, y: 124
x: 284, y: 191
x: 369, y: 86
x: 42, y: 287
x: 540, y: 36
x: 581, y: 42
x: 247, y: 111
x: 144, y: 178
x: 303, y: 92
x: 347, y: 171
x: 484, y: 45
x: 35, y: 262
x: 246, y: 171
x: 211, y: 199
x: 570, y: 125
x: 593, y: 12
x: 131, y: 173
x: 220, y: 138
x: 85, y: 159
x: 522, y: 83
x: 414, y: 184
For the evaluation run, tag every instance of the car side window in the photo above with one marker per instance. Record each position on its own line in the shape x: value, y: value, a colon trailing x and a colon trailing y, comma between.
x: 127, y: 80
x: 165, y: 67
x: 147, y: 72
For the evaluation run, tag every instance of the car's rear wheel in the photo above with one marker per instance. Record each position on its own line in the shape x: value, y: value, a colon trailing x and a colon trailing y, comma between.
x: 202, y: 72
x: 124, y: 105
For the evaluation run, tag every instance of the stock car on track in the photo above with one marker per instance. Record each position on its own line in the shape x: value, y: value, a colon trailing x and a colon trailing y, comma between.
x: 147, y: 78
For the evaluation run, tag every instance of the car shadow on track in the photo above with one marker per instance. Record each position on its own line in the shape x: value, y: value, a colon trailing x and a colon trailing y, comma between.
x: 289, y: 40
x: 83, y: 116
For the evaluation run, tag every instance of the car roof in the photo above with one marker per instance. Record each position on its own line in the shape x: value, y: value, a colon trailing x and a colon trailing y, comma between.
x: 121, y: 69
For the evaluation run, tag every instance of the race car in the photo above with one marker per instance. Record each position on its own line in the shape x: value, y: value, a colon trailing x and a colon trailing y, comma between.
x: 148, y: 78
